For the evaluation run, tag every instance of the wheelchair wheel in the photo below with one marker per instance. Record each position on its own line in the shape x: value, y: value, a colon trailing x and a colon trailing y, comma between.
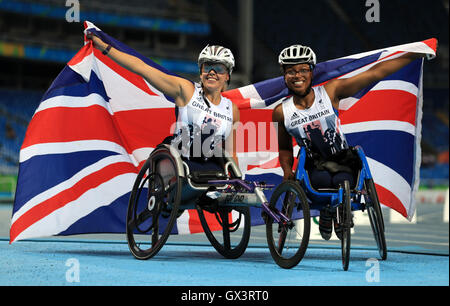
x: 231, y: 239
x: 288, y: 242
x: 345, y: 217
x: 376, y: 218
x: 153, y: 205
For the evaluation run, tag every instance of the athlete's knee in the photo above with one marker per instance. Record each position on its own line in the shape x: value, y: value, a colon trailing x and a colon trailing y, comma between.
x: 320, y: 179
x: 339, y: 178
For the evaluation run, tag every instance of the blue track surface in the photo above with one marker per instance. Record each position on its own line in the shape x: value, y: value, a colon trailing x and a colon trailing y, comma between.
x: 52, y: 262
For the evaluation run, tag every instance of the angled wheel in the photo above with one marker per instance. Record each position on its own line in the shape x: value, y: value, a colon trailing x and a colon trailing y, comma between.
x: 153, y: 205
x: 231, y: 232
x: 288, y: 242
x: 376, y: 217
x: 345, y: 218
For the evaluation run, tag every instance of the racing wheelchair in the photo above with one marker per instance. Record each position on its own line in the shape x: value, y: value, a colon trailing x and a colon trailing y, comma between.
x: 290, y: 195
x: 166, y: 185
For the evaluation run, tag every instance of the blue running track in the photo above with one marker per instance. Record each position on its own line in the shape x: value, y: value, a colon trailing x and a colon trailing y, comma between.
x: 94, y: 262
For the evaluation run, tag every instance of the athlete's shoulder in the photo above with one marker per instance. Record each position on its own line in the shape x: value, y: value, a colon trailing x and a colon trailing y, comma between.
x: 277, y: 114
x: 280, y: 102
x: 286, y: 99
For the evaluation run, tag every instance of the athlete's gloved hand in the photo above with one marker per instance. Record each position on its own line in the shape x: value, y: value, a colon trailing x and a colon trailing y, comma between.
x: 289, y: 176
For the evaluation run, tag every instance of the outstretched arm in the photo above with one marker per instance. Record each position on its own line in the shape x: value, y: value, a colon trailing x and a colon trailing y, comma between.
x: 342, y: 88
x: 285, y: 150
x: 178, y: 88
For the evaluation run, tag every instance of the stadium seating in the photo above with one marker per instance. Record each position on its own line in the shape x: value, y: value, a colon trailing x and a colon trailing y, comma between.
x: 435, y: 131
x: 16, y: 110
x: 157, y: 29
x: 317, y: 25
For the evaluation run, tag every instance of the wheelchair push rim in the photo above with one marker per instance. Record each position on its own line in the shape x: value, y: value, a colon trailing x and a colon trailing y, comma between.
x: 345, y: 220
x: 376, y: 218
x: 288, y: 242
x: 153, y: 205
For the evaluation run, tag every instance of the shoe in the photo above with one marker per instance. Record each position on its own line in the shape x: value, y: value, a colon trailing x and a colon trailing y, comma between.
x: 325, y: 224
x: 337, y: 227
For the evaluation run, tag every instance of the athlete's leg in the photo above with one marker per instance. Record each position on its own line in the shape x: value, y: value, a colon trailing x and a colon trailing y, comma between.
x: 320, y: 179
x: 339, y: 178
x: 323, y: 179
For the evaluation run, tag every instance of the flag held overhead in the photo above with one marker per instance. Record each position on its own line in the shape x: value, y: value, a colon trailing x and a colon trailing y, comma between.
x: 98, y: 122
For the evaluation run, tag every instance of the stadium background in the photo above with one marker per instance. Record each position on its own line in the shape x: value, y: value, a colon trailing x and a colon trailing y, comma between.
x: 36, y: 41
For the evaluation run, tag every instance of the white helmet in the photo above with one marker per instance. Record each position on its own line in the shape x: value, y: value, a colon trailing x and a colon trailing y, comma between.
x: 297, y: 54
x: 217, y: 54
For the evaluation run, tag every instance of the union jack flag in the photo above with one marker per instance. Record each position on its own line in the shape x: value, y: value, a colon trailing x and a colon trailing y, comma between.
x: 98, y: 122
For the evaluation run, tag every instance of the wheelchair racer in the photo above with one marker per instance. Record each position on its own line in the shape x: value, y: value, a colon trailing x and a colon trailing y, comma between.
x: 310, y: 115
x: 205, y: 118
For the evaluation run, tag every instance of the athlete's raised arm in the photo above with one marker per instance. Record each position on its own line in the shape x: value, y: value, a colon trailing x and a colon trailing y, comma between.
x: 339, y: 89
x: 178, y: 88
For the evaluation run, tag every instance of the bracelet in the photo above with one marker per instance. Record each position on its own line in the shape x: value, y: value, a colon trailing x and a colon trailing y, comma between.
x: 104, y: 52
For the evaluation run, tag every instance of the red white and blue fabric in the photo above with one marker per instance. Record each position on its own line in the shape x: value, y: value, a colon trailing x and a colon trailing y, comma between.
x: 98, y: 122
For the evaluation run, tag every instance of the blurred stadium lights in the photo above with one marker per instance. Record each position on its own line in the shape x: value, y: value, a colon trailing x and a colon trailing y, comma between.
x: 37, y: 30
x: 53, y: 9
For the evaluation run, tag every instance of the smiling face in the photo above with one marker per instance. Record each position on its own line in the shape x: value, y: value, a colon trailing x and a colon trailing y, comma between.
x: 214, y: 76
x: 298, y: 78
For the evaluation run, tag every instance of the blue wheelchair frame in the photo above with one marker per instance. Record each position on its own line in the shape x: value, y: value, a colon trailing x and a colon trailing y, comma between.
x: 345, y: 199
x: 333, y: 197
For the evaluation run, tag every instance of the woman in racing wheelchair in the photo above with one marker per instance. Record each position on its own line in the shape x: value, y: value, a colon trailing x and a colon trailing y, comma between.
x: 204, y: 134
x: 310, y: 115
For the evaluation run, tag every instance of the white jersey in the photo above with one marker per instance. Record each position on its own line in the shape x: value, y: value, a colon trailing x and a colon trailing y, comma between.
x: 201, y: 127
x: 318, y: 127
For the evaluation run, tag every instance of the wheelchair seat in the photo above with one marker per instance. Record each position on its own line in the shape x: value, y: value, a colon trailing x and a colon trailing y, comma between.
x: 352, y: 161
x: 202, y: 177
x: 197, y: 172
x: 200, y: 171
x: 326, y: 190
x: 218, y: 168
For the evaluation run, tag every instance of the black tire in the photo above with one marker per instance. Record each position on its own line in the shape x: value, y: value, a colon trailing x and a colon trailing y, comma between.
x: 230, y: 241
x: 288, y: 245
x: 345, y: 213
x: 376, y: 218
x: 153, y: 205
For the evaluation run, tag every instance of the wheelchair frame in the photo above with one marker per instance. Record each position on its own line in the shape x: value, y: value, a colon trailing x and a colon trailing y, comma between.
x: 171, y: 189
x: 334, y: 197
x: 225, y: 192
x: 344, y: 200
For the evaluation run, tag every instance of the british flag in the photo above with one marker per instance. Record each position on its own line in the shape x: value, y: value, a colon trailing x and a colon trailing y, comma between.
x: 98, y: 122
